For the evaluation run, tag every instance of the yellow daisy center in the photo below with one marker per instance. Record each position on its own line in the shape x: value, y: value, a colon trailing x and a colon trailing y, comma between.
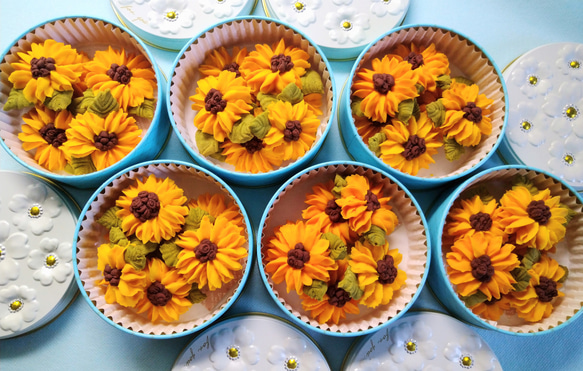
x: 466, y: 361
x: 526, y: 125
x: 292, y: 364
x: 571, y: 112
x: 171, y: 15
x: 16, y: 305
x: 569, y: 159
x: 411, y: 346
x: 299, y: 6
x: 233, y: 352
x: 532, y: 80
x: 51, y: 261
x: 574, y: 64
x: 35, y: 211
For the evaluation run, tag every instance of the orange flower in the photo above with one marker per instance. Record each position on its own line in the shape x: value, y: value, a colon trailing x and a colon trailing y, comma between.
x: 219, y: 60
x: 426, y: 62
x: 254, y: 156
x: 216, y: 205
x: 471, y: 216
x: 367, y: 128
x: 492, y: 309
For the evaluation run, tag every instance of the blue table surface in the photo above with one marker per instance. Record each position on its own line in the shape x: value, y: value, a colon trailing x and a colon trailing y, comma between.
x: 79, y: 339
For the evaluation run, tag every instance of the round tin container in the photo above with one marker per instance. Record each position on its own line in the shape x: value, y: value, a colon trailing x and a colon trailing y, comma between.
x: 545, y: 112
x: 342, y: 28
x: 170, y: 24
x: 259, y: 341
x: 37, y: 223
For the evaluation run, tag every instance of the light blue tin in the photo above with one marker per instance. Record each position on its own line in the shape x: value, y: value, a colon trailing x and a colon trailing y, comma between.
x: 568, y: 251
x: 80, y: 32
x: 466, y: 59
x: 410, y: 237
x: 243, y: 32
x: 89, y: 235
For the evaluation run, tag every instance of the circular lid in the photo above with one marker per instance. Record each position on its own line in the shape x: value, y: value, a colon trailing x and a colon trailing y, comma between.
x: 170, y: 24
x: 422, y: 340
x: 342, y: 28
x: 36, y: 270
x: 255, y: 341
x: 545, y: 111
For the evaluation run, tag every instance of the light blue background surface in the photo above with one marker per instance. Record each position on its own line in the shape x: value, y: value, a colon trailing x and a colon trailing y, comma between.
x: 79, y: 339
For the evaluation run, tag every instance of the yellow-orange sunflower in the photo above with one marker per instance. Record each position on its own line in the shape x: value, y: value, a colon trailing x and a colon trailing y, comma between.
x: 46, y: 68
x: 472, y: 215
x: 363, y: 205
x: 367, y: 128
x: 298, y: 255
x: 377, y: 269
x: 106, y: 139
x: 466, y: 114
x: 44, y: 132
x: 390, y: 82
x: 536, y: 301
x: 129, y: 77
x: 537, y: 220
x: 220, y: 101
x: 409, y: 148
x: 153, y: 209
x: 269, y: 69
x: 124, y: 285
x: 293, y: 126
x: 314, y: 101
x: 211, y: 253
x: 481, y: 262
x: 254, y: 156
x: 426, y: 62
x: 216, y: 204
x: 166, y: 293
x: 492, y: 309
x: 218, y: 60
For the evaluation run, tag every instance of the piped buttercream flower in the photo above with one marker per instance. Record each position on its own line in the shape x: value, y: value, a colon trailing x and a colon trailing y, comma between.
x: 211, y: 253
x: 219, y: 60
x: 51, y: 261
x: 426, y: 62
x: 13, y: 246
x: 382, y: 88
x: 170, y: 16
x: 254, y: 156
x: 44, y: 132
x: 18, y: 306
x: 106, y: 140
x: 35, y: 209
x: 367, y: 128
x: 473, y: 215
x: 492, y: 309
x: 216, y: 205
x: 152, y: 209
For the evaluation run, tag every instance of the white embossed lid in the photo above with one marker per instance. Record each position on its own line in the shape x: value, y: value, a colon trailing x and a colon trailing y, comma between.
x: 422, y: 341
x: 37, y: 225
x: 170, y: 24
x: 545, y: 111
x: 342, y: 28
x: 252, y: 342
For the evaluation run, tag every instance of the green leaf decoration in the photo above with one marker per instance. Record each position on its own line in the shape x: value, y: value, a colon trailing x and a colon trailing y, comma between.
x: 338, y: 249
x: 109, y: 219
x: 420, y: 88
x: 194, y: 218
x: 135, y: 255
x: 81, y: 165
x: 170, y: 251
x: 80, y: 105
x: 145, y: 110
x: 531, y: 257
x: 522, y: 181
x: 291, y: 93
x: 60, y: 100
x: 374, y: 143
x: 481, y: 191
x: 207, y: 145
x: 196, y: 296
x: 350, y: 284
x: 116, y: 236
x: 416, y: 109
x: 436, y: 112
x: 475, y: 299
x: 260, y: 125
x: 103, y: 103
x: 241, y: 131
x: 339, y: 183
x: 265, y: 100
x: 16, y: 100
x: 312, y: 83
x: 443, y: 82
x: 564, y: 278
x: 453, y: 150
x: 463, y: 80
x: 355, y: 107
x: 522, y: 278
x: 376, y: 236
x: 570, y: 213
x: 317, y: 290
x: 405, y: 110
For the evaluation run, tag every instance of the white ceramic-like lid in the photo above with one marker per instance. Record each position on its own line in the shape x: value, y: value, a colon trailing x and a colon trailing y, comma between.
x: 252, y: 342
x: 423, y: 341
x: 341, y: 27
x: 37, y: 225
x: 545, y: 111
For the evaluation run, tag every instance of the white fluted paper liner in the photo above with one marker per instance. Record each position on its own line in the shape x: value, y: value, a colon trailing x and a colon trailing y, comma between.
x: 85, y: 35
x: 91, y: 235
x: 466, y: 60
x: 569, y: 252
x: 409, y: 237
x: 246, y: 32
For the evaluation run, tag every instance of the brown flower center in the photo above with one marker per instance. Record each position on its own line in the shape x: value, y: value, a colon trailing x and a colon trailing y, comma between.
x: 206, y: 251
x: 158, y: 294
x: 105, y: 141
x: 112, y: 275
x: 214, y: 102
x: 378, y: 124
x: 42, y: 67
x: 121, y: 74
x: 372, y: 201
x: 539, y: 212
x: 334, y: 212
x: 145, y: 206
x: 281, y: 63
x: 482, y: 268
x: 416, y: 60
x: 292, y: 131
x: 233, y: 67
x: 383, y: 82
x: 546, y: 290
x: 298, y: 256
x: 414, y: 147
x: 253, y: 145
x: 386, y: 270
x: 53, y: 136
x: 472, y: 112
x: 481, y: 221
x: 337, y: 296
